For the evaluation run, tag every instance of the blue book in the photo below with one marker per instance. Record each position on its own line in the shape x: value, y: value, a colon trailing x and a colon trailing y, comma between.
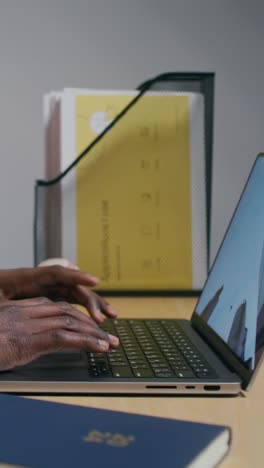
x: 40, y: 434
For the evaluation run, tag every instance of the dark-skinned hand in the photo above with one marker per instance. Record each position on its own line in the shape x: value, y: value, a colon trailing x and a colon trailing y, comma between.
x: 56, y: 283
x: 30, y: 328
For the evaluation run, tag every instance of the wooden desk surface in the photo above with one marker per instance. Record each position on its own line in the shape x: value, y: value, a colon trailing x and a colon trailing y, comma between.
x: 245, y: 415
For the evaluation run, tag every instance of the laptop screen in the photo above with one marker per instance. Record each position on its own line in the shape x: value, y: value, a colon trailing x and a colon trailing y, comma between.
x: 232, y: 302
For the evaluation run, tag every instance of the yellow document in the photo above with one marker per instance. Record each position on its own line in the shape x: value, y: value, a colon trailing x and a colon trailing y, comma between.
x: 133, y: 201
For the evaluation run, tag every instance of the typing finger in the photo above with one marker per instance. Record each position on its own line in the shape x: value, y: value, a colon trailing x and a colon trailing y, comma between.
x: 94, y: 304
x: 60, y: 340
x: 60, y: 275
x: 47, y: 308
x: 67, y: 322
x: 21, y: 348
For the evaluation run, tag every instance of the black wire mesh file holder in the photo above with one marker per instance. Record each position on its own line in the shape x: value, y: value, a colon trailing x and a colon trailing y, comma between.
x: 200, y: 82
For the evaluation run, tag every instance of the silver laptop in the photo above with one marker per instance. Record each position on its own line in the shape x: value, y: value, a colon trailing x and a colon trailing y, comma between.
x: 217, y: 352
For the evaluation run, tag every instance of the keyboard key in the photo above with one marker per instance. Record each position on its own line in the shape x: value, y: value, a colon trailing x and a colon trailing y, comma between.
x: 121, y: 372
x: 140, y: 366
x: 160, y: 365
x: 184, y: 374
x: 163, y: 374
x: 161, y: 369
x: 147, y: 373
x: 206, y: 375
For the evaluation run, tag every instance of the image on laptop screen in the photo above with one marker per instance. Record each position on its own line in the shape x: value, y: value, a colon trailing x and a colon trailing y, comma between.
x: 232, y: 302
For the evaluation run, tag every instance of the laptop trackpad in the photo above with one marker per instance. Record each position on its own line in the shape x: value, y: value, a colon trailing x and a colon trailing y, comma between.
x: 67, y: 359
x: 62, y: 366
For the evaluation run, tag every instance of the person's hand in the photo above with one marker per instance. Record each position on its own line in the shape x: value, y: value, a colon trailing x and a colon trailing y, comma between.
x: 56, y: 283
x: 30, y: 328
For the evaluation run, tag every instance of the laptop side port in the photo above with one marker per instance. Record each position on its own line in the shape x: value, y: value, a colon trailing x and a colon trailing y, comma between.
x: 161, y: 386
x: 190, y: 387
x: 213, y: 388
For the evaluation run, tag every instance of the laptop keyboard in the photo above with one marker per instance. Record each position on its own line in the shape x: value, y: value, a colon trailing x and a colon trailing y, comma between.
x: 149, y: 349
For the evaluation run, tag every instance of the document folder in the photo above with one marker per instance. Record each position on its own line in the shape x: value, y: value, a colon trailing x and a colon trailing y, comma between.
x: 134, y: 210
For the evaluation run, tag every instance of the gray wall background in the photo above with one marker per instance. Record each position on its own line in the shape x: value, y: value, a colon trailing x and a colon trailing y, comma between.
x: 46, y: 45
